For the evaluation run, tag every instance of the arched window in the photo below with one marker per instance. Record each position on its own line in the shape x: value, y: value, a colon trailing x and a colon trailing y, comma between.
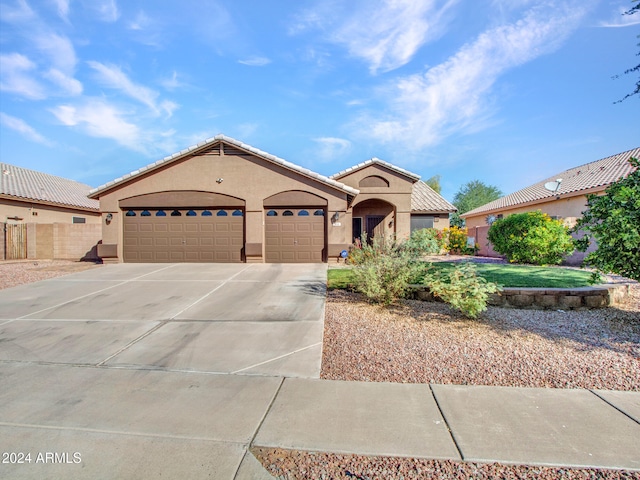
x: 287, y: 213
x: 176, y: 213
x: 206, y: 213
x: 303, y: 213
x: 130, y: 213
x: 145, y: 213
x: 191, y: 213
x: 374, y: 181
x: 272, y: 213
x: 222, y: 213
x: 319, y: 213
x: 237, y: 213
x: 161, y: 213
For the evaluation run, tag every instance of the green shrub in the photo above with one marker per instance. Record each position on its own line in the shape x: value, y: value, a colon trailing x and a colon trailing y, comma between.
x: 462, y: 288
x: 531, y: 237
x: 426, y: 241
x: 383, y: 270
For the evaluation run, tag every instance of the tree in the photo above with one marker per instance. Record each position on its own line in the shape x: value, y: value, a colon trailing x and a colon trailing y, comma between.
x: 472, y: 195
x: 434, y: 183
x: 631, y: 11
x: 613, y: 220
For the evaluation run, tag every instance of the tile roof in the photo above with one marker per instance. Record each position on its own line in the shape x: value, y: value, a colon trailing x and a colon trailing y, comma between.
x: 575, y: 180
x: 377, y: 161
x: 425, y: 199
x: 41, y: 187
x: 231, y: 141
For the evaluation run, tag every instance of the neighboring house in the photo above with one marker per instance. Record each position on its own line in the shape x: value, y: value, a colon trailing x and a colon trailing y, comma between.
x: 566, y: 203
x: 27, y: 196
x: 225, y: 201
x: 43, y: 216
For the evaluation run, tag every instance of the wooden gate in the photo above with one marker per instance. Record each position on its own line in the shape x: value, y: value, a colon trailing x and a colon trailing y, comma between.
x: 15, y: 238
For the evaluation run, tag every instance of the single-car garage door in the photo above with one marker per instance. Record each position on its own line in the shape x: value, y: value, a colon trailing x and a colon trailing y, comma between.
x: 183, y: 235
x: 294, y: 235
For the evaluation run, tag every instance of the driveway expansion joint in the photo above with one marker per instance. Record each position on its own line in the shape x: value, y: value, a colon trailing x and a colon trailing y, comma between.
x: 133, y: 342
x: 614, y: 406
x: 446, y: 422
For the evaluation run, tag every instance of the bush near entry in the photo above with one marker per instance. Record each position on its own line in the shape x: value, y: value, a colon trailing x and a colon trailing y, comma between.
x: 426, y: 241
x: 531, y: 237
x: 383, y: 270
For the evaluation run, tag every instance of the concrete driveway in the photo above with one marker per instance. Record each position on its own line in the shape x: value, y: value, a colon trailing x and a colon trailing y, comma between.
x: 146, y: 370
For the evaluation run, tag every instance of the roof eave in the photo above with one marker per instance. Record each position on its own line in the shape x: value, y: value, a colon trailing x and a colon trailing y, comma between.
x: 49, y: 203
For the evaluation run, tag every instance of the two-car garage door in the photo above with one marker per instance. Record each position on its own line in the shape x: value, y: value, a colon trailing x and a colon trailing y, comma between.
x: 183, y: 235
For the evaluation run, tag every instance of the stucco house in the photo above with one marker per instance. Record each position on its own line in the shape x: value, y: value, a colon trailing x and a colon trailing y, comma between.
x: 43, y: 216
x: 225, y: 201
x: 28, y: 196
x: 564, y: 196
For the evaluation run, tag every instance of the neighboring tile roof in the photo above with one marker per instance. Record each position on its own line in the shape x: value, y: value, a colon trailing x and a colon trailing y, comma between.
x: 231, y: 141
x: 42, y: 187
x: 425, y: 199
x: 585, y: 177
x: 374, y: 161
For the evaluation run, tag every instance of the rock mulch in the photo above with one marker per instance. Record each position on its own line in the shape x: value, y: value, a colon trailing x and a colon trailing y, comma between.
x: 14, y: 273
x: 288, y: 464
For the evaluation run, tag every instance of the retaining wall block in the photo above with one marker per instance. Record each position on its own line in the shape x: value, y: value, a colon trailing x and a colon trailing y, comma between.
x: 570, y: 301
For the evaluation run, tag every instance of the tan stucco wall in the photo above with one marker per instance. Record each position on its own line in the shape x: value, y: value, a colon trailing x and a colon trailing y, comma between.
x: 569, y: 209
x: 398, y: 193
x: 44, y: 213
x: 247, y: 177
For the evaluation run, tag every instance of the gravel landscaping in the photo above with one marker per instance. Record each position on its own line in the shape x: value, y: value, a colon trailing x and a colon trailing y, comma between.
x: 14, y: 273
x: 287, y: 464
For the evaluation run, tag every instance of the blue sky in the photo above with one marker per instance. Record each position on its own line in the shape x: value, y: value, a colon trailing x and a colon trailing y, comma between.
x: 503, y: 91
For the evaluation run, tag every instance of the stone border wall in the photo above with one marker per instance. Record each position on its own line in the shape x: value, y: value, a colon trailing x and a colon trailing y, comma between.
x: 598, y: 296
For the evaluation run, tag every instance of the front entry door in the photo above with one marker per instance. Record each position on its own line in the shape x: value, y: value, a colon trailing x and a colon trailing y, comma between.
x: 375, y: 227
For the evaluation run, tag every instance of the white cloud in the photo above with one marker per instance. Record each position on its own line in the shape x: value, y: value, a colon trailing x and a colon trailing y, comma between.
x: 63, y: 8
x: 20, y: 13
x: 386, y: 36
x: 141, y: 22
x: 17, y: 76
x: 23, y: 128
x: 58, y: 49
x: 172, y: 83
x: 619, y: 19
x: 113, y: 77
x: 107, y: 10
x: 255, y: 61
x: 97, y: 118
x: 331, y: 148
x: 453, y: 96
x: 69, y: 85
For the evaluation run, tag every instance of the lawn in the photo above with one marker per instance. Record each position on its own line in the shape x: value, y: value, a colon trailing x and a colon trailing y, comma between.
x: 505, y: 275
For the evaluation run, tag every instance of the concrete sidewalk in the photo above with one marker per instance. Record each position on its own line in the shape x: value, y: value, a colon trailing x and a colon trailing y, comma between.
x: 128, y: 423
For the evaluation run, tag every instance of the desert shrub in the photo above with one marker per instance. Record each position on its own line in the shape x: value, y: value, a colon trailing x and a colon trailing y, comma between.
x: 426, y: 241
x: 383, y: 270
x: 531, y: 237
x: 462, y: 288
x: 456, y: 240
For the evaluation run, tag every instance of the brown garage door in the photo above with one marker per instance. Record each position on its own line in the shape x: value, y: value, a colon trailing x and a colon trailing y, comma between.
x: 183, y: 235
x: 294, y: 235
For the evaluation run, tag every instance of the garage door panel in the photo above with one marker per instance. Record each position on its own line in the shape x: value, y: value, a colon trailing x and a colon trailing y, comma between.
x: 191, y: 237
x: 294, y: 238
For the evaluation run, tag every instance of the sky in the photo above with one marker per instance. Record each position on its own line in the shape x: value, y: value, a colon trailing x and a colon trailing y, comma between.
x: 508, y: 92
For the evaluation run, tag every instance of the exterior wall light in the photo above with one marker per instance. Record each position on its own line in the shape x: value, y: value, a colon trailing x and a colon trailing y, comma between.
x: 335, y: 217
x: 220, y: 180
x: 108, y: 218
